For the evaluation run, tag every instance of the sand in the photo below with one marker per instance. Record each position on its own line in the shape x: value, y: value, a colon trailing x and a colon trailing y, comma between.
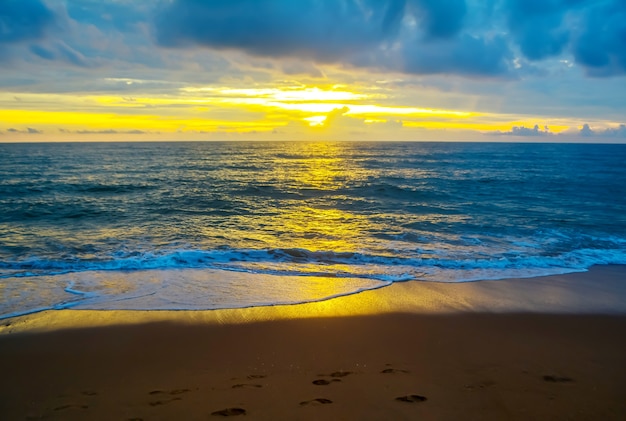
x: 547, y: 348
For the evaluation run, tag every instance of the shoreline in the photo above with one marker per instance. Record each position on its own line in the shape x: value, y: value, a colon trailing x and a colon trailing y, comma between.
x: 486, y: 350
x: 600, y: 290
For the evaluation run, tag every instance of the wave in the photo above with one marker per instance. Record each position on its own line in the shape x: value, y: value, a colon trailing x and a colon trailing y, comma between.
x: 429, y: 266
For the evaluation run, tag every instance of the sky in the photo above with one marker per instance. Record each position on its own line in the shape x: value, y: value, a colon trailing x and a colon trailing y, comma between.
x: 488, y: 70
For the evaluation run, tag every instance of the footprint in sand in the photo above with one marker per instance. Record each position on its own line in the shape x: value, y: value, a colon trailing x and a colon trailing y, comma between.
x: 172, y: 392
x: 411, y: 398
x: 394, y: 371
x: 557, y: 379
x: 163, y: 402
x: 340, y: 374
x: 324, y: 382
x: 169, y: 392
x: 70, y: 406
x: 246, y: 386
x: 89, y: 393
x: 480, y: 385
x: 317, y: 401
x: 335, y: 377
x: 229, y: 412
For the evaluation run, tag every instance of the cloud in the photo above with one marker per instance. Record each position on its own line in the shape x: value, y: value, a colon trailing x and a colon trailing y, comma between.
x: 122, y: 16
x: 601, y: 45
x: 42, y: 52
x: 526, y: 132
x: 31, y: 27
x: 301, y: 68
x: 361, y: 33
x: 466, y: 37
x: 537, y: 26
x: 586, y: 131
x: 71, y: 55
x: 394, y: 124
x: 23, y: 20
x: 107, y: 131
x: 467, y: 55
x: 615, y: 132
x: 325, y: 30
x: 594, y: 32
x: 60, y: 51
x: 335, y: 115
x: 28, y: 130
x: 439, y: 18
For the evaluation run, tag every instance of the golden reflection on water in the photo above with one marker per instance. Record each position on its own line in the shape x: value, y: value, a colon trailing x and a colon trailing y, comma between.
x: 323, y: 229
x: 317, y: 226
x: 319, y: 166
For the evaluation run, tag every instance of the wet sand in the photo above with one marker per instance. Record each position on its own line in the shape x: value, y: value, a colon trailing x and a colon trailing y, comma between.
x: 487, y: 350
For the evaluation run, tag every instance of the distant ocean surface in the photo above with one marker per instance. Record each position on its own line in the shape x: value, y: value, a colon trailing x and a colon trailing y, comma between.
x: 222, y: 225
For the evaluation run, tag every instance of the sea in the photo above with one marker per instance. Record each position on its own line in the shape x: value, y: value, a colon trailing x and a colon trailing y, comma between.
x: 208, y: 225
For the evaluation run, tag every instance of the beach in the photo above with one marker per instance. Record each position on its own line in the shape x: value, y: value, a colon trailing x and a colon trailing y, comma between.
x: 312, y: 210
x: 541, y: 348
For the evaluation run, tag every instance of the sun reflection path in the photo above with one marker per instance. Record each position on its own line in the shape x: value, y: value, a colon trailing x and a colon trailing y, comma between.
x: 320, y: 173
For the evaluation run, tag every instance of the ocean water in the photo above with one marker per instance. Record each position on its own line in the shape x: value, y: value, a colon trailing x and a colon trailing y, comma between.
x: 221, y: 225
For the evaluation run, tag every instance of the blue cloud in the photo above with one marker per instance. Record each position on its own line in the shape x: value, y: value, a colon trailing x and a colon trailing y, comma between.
x: 42, y: 52
x: 483, y: 38
x: 336, y: 30
x: 601, y: 47
x: 72, y: 56
x: 593, y: 31
x: 526, y: 132
x: 467, y: 55
x: 325, y: 30
x: 440, y: 18
x: 615, y: 132
x: 357, y: 31
x: 537, y: 26
x: 26, y: 27
x: 586, y: 131
x: 23, y: 20
x: 108, y: 15
x: 60, y: 51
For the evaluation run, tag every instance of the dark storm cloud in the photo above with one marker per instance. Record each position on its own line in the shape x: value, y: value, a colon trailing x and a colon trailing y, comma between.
x: 23, y: 20
x: 537, y: 26
x: 434, y: 36
x: 320, y: 29
x: 466, y: 55
x: 593, y: 31
x: 337, y: 30
x: 439, y: 18
x: 25, y: 27
x: 601, y: 47
x: 462, y: 37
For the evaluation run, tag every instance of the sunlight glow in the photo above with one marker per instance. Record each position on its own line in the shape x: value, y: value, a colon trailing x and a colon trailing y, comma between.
x: 280, y: 94
x: 317, y: 120
x: 323, y: 109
